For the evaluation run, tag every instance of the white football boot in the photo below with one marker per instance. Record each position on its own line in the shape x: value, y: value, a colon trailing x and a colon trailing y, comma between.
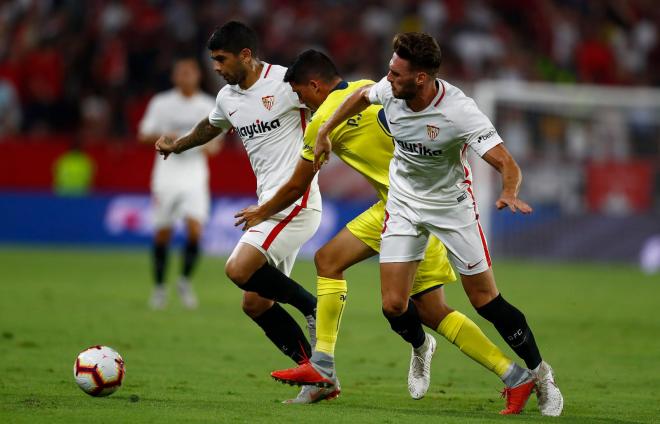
x: 419, y: 374
x: 187, y: 295
x: 313, y: 394
x: 550, y: 400
x: 158, y: 300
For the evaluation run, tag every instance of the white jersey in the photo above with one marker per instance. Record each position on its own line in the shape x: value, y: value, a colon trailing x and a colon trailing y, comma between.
x: 170, y: 112
x: 270, y: 121
x: 430, y: 168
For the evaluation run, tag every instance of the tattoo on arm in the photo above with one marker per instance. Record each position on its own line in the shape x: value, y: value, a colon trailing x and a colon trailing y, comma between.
x: 201, y: 134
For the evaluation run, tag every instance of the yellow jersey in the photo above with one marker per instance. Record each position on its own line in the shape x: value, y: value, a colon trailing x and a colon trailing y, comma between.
x: 363, y: 141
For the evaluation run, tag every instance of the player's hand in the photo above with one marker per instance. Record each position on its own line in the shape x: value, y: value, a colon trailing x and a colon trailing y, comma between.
x: 321, y: 150
x: 165, y: 145
x: 513, y: 203
x: 249, y: 217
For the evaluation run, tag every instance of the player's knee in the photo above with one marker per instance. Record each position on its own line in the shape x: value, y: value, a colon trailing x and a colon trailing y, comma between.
x: 194, y: 236
x: 162, y: 236
x: 480, y: 288
x: 236, y: 273
x: 394, y: 306
x: 481, y: 296
x: 194, y: 232
x: 325, y: 265
x: 252, y: 308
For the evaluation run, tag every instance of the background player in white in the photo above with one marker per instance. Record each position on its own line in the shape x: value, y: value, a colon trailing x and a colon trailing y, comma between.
x: 433, y: 123
x: 179, y: 187
x: 270, y: 121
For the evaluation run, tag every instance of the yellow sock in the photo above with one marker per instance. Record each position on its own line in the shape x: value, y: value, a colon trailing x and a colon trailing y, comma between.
x: 331, y: 298
x: 464, y: 333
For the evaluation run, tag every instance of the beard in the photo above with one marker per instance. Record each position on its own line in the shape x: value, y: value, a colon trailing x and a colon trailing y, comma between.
x: 407, y: 91
x: 235, y: 78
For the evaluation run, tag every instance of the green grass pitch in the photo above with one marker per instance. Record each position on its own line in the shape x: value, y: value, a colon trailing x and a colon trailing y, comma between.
x: 598, y: 326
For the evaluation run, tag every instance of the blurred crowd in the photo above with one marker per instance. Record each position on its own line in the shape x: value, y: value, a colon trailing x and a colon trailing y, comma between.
x: 90, y: 67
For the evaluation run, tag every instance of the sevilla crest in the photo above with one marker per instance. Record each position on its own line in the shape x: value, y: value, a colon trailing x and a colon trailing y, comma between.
x: 432, y: 131
x: 268, y: 101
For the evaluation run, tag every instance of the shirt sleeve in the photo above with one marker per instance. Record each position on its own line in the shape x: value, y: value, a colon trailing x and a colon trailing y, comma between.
x: 217, y: 117
x: 477, y: 130
x: 149, y: 123
x: 378, y: 91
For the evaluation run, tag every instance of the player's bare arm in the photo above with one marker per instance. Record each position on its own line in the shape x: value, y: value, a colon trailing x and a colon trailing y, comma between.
x: 291, y: 191
x: 500, y: 158
x: 354, y: 104
x: 201, y: 134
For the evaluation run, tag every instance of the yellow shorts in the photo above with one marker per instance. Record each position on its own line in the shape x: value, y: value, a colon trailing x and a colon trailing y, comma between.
x: 433, y: 271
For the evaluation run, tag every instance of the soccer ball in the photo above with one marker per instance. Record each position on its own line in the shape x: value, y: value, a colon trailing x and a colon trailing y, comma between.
x: 99, y: 370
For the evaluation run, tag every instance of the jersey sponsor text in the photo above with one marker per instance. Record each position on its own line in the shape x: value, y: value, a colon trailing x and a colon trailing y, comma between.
x: 258, y: 127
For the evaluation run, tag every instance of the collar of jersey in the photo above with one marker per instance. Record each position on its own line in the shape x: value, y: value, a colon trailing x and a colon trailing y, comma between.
x: 342, y: 85
x: 437, y: 99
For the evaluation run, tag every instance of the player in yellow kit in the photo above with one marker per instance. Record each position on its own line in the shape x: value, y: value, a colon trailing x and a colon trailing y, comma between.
x: 364, y: 143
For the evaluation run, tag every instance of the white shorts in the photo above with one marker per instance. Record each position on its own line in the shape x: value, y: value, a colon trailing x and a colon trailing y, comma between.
x: 280, y: 237
x: 173, y: 203
x: 406, y: 233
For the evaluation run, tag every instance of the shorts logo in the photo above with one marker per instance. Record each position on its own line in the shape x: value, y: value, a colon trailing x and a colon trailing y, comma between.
x: 432, y: 131
x: 268, y: 101
x: 470, y: 266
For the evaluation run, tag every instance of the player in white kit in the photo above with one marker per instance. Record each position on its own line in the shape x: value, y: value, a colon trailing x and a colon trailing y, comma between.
x: 270, y: 120
x: 433, y: 124
x: 179, y: 186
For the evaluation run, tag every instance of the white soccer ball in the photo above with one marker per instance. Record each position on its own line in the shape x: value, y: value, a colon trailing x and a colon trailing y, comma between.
x: 99, y: 370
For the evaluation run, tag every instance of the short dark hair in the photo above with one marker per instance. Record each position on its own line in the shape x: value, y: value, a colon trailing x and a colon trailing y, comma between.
x: 311, y: 63
x: 233, y: 37
x: 420, y: 49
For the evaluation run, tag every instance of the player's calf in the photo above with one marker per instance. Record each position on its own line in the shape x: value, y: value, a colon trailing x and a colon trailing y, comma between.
x: 271, y: 283
x: 285, y: 333
x: 512, y: 326
x: 406, y: 324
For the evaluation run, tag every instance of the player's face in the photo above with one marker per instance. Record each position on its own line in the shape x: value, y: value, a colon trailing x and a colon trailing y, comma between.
x: 229, y: 66
x: 308, y: 94
x: 186, y: 75
x: 402, y: 78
